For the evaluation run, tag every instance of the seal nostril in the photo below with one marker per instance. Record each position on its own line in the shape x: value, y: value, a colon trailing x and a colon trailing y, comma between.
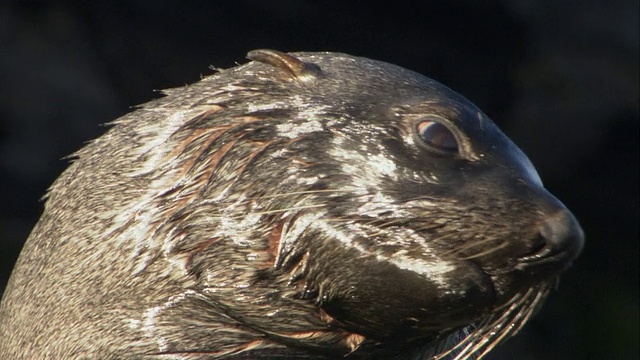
x: 563, y: 234
x: 560, y: 240
x: 539, y: 249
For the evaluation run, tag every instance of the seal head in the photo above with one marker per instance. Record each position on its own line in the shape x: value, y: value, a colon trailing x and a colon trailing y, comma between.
x: 308, y: 205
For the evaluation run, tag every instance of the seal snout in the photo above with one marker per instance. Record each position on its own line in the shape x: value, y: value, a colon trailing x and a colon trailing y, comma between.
x: 561, y: 240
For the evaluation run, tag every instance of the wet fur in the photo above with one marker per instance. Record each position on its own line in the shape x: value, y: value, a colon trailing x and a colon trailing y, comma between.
x: 252, y: 214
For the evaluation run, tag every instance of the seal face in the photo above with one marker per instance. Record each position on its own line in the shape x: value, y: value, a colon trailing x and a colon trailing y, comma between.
x: 306, y: 205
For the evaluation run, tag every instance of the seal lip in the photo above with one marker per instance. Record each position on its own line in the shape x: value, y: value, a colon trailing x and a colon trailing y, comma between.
x: 547, y: 259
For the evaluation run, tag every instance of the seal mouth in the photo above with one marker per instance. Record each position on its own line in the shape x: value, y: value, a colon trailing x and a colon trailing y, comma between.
x: 541, y: 253
x: 547, y: 258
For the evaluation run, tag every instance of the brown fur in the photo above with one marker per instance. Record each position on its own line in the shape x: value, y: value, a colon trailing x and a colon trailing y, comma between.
x: 285, y: 208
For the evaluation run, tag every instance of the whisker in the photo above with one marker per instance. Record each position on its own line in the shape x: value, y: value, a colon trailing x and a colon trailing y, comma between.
x: 276, y: 211
x: 385, y: 224
x: 465, y: 246
x: 429, y: 227
x: 492, y: 330
x: 486, y: 252
x: 305, y: 192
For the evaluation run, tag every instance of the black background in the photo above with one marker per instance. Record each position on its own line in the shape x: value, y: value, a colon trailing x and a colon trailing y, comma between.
x: 559, y: 77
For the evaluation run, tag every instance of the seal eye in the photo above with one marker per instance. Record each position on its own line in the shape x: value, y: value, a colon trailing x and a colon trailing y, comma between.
x: 437, y: 136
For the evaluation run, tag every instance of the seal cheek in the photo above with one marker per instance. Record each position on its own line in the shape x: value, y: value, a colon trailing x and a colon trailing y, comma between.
x: 383, y: 301
x: 462, y: 295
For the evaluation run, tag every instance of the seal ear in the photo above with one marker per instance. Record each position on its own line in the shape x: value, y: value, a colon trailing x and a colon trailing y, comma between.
x: 301, y: 71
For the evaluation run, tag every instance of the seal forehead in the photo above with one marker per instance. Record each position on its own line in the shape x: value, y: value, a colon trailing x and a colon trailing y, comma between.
x: 374, y: 93
x: 341, y: 71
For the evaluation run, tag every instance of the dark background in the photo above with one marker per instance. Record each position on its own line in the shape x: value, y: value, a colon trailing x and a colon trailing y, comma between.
x: 559, y: 77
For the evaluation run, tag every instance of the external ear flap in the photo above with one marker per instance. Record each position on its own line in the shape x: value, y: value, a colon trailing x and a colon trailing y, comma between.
x: 296, y: 68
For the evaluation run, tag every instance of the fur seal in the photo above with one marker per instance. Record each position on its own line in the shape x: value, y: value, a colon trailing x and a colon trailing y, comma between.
x: 307, y: 205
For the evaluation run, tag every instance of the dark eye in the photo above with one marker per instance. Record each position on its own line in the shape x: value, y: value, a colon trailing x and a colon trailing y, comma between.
x: 437, y: 136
